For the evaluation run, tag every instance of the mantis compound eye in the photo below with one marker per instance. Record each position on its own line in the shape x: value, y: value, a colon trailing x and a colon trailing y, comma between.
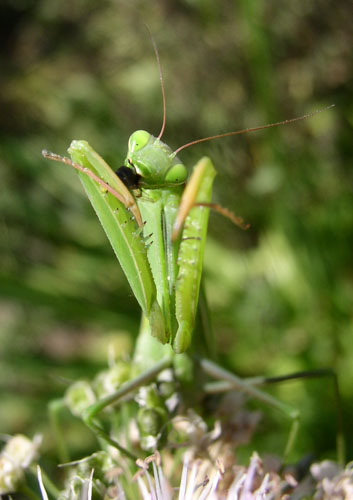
x: 177, y: 174
x: 138, y: 140
x: 128, y: 176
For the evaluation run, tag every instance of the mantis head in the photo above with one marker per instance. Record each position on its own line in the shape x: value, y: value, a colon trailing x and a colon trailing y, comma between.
x: 152, y: 163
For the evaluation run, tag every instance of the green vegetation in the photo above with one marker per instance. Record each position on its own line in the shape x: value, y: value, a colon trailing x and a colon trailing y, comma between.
x: 280, y: 294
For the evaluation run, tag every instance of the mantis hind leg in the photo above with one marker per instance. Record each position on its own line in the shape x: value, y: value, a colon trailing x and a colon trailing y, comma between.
x: 227, y: 381
x: 319, y: 373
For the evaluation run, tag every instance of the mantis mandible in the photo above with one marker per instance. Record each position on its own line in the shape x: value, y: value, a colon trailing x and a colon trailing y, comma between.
x: 157, y: 226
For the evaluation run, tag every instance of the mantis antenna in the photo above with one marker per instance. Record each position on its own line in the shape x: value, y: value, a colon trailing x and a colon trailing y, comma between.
x: 161, y: 80
x: 253, y: 129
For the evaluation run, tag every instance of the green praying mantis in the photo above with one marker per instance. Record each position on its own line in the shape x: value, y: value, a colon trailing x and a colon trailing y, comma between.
x: 156, y: 221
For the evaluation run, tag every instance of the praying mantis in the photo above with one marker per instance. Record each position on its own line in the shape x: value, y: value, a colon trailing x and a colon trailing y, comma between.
x: 156, y: 222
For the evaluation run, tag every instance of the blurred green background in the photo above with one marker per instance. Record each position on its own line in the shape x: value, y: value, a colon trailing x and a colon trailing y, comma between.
x: 280, y: 293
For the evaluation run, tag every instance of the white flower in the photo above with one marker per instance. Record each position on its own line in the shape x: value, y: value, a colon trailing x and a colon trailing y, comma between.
x: 202, y: 480
x: 16, y: 456
x: 335, y: 483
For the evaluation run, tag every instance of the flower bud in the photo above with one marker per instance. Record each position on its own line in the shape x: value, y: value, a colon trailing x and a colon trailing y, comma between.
x: 79, y: 396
